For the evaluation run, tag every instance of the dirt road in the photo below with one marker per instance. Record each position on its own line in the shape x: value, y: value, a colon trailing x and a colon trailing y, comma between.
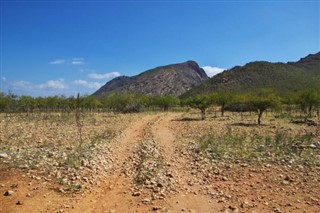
x: 153, y: 170
x: 115, y: 193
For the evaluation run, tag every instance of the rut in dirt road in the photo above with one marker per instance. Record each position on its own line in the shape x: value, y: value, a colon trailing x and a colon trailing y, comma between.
x: 115, y: 192
x: 186, y: 194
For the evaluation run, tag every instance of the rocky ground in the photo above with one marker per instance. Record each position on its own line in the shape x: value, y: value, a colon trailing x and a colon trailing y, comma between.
x: 151, y: 162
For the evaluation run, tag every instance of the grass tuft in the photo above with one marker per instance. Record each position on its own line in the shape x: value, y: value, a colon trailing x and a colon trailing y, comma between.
x: 257, y: 148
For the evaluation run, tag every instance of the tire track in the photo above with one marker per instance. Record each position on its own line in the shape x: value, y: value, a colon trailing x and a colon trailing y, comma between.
x: 187, y: 196
x: 113, y: 193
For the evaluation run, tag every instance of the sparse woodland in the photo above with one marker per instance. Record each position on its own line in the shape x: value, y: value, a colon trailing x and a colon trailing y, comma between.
x: 306, y: 103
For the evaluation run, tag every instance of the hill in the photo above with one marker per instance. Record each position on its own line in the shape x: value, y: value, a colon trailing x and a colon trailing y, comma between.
x: 174, y: 79
x: 282, y: 77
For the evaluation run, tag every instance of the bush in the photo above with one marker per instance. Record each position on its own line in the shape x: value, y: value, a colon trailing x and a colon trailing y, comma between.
x: 254, y: 148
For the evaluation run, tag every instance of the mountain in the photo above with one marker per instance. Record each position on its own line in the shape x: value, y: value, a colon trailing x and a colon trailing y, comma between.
x: 173, y: 79
x: 282, y: 77
x: 112, y: 85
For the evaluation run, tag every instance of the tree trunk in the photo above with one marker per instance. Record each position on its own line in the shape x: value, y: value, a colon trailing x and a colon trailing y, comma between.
x: 310, y: 111
x: 203, y: 114
x: 259, y: 116
x: 222, y: 110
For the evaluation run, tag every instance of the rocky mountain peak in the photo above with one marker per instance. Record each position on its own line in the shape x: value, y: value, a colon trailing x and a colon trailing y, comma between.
x: 173, y: 79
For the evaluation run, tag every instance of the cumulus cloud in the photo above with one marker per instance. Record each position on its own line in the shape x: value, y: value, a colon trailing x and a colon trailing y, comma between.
x: 77, y: 61
x: 58, y: 61
x: 53, y: 84
x: 73, y: 61
x: 91, y: 85
x: 22, y: 85
x: 49, y: 85
x: 211, y: 71
x: 104, y: 76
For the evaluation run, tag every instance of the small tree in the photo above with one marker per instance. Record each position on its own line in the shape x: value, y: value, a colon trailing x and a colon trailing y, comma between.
x: 308, y: 100
x: 263, y: 100
x: 6, y: 102
x: 40, y: 103
x: 289, y: 101
x: 201, y: 102
x: 165, y: 102
x: 127, y: 103
x: 52, y: 103
x: 26, y: 103
x: 239, y: 104
x: 90, y: 103
x: 222, y: 98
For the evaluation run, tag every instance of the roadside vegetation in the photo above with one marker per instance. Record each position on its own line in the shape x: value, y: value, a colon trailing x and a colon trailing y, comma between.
x: 278, y: 148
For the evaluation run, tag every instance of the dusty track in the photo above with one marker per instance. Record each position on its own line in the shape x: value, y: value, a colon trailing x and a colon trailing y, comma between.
x: 187, y: 197
x: 115, y: 194
x: 191, y: 183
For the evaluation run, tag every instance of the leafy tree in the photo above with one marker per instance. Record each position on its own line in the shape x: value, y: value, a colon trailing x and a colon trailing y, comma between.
x: 201, y: 102
x: 165, y: 102
x: 239, y: 104
x: 124, y: 103
x: 26, y: 103
x: 52, y: 103
x: 262, y: 100
x: 62, y: 103
x: 308, y: 100
x: 90, y: 102
x: 72, y: 103
x: 222, y: 98
x: 6, y: 102
x: 289, y: 101
x: 40, y: 103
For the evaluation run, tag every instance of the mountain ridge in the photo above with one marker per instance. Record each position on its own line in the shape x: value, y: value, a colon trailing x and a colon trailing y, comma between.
x: 172, y: 79
x: 188, y: 79
x: 282, y: 77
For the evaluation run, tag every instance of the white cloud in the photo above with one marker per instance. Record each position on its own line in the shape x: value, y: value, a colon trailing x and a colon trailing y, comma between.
x: 53, y: 84
x: 3, y: 78
x: 73, y: 61
x: 104, y: 76
x: 49, y: 85
x: 91, y: 85
x: 211, y: 71
x: 23, y: 85
x: 59, y: 61
x: 77, y: 61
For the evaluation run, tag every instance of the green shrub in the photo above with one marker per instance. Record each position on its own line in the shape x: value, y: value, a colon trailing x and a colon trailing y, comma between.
x: 254, y: 148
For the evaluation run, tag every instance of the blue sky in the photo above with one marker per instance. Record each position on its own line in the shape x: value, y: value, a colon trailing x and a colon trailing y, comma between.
x: 65, y: 47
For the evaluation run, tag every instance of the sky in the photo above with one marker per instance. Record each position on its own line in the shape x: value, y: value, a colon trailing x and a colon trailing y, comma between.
x: 65, y: 47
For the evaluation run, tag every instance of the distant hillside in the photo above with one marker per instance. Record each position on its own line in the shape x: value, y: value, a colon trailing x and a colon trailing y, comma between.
x: 174, y: 79
x: 283, y: 77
